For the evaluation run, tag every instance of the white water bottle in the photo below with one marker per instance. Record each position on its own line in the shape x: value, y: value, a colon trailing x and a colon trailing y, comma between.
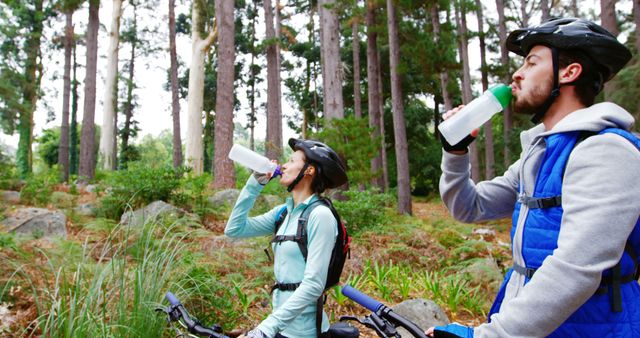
x: 475, y: 114
x: 253, y: 160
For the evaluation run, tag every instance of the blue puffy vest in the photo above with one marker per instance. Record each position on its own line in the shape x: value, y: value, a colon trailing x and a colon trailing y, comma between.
x: 614, y: 310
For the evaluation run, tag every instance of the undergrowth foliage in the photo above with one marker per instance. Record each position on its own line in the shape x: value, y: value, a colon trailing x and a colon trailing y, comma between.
x: 137, y: 186
x: 364, y: 210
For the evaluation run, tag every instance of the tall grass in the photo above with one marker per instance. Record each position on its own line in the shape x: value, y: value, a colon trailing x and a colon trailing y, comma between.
x: 112, y: 292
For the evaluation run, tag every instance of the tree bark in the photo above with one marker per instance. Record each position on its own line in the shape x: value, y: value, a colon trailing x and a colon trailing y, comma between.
x: 373, y: 65
x: 252, y: 80
x: 199, y: 48
x: 504, y: 60
x: 489, y: 159
x: 108, y: 134
x: 63, y: 148
x: 125, y: 157
x: 444, y: 75
x: 402, y: 154
x: 609, y: 22
x: 544, y: 8
x: 331, y: 63
x: 175, y: 100
x: 383, y: 140
x: 87, y: 142
x: 463, y: 47
x: 30, y: 90
x: 73, y: 133
x: 224, y: 175
x: 357, y: 101
x: 574, y: 9
x: 273, y: 144
x: 636, y: 19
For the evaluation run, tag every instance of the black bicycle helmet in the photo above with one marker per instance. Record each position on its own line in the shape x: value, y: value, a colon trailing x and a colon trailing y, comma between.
x: 596, y: 43
x: 572, y: 33
x: 328, y: 164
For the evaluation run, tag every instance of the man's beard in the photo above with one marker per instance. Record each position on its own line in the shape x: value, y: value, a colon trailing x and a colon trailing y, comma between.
x: 535, y: 99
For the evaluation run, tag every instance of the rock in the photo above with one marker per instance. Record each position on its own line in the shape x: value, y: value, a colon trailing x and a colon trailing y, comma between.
x: 484, y: 271
x: 38, y: 222
x: 91, y: 188
x: 486, y: 234
x: 424, y: 313
x: 62, y: 200
x: 86, y: 209
x: 271, y: 201
x: 10, y: 197
x: 153, y: 211
x: 223, y: 198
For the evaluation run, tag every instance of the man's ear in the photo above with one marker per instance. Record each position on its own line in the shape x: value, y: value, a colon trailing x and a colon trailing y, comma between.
x: 570, y: 73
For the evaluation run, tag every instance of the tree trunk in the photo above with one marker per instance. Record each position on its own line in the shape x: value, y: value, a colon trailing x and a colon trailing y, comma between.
x: 467, y: 96
x: 383, y: 140
x: 273, y: 143
x: 125, y: 157
x: 331, y: 63
x: 402, y: 154
x: 636, y: 19
x: 63, y: 148
x: 199, y: 48
x: 444, y: 74
x: 544, y: 8
x: 609, y: 22
x: 87, y: 143
x: 373, y: 65
x: 357, y: 101
x: 504, y: 60
x: 253, y: 79
x: 608, y: 16
x: 73, y: 134
x: 30, y: 90
x: 524, y: 13
x: 489, y: 159
x: 108, y: 133
x: 224, y: 175
x: 175, y: 100
x: 574, y: 9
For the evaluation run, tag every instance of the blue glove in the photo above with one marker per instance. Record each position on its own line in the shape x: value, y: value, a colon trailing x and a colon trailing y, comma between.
x: 453, y: 331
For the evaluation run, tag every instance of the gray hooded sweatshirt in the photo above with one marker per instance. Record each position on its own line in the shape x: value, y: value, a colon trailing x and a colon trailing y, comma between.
x: 601, y: 206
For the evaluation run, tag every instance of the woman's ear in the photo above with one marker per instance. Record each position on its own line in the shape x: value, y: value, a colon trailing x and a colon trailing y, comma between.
x: 310, y: 171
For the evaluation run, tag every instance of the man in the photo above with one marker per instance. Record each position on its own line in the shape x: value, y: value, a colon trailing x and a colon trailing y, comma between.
x: 572, y: 195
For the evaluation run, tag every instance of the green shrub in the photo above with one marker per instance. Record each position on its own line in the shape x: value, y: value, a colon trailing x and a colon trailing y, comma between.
x: 38, y: 187
x: 364, y: 209
x: 138, y: 186
x: 9, y: 179
x: 192, y: 193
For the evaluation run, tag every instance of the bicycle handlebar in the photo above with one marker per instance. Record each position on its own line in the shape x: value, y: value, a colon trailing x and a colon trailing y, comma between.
x: 177, y: 312
x: 383, y: 311
x: 362, y: 299
x: 172, y: 299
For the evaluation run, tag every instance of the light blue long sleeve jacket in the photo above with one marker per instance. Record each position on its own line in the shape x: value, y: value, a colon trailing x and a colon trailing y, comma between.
x: 294, y: 312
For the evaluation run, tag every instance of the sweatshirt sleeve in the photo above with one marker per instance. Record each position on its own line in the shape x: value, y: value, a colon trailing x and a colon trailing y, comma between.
x: 322, y: 233
x: 599, y: 198
x: 240, y: 225
x: 470, y: 202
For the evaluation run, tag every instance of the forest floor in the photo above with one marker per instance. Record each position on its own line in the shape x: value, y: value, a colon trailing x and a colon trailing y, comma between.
x: 391, y: 263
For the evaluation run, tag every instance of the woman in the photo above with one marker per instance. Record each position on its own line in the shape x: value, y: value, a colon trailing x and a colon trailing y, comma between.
x: 312, y: 168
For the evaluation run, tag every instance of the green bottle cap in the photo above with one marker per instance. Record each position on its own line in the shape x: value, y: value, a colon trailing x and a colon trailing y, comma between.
x: 502, y: 93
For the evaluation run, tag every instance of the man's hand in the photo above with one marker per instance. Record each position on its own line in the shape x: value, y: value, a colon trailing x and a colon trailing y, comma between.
x: 459, y: 148
x: 450, y: 331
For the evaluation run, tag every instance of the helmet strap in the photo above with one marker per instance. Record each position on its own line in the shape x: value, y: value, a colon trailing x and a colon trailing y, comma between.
x: 298, y: 178
x: 555, y: 92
